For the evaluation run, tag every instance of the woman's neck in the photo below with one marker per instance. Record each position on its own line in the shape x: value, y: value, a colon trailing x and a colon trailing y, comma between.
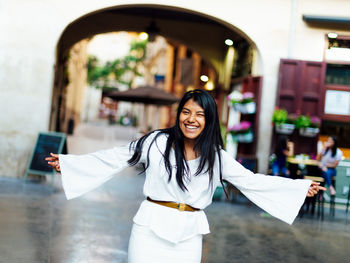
x: 190, y: 153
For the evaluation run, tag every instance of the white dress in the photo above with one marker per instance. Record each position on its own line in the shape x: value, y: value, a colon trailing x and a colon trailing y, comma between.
x: 155, y: 224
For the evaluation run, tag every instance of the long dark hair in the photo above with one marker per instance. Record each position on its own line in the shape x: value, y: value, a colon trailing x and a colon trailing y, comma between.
x: 335, y: 146
x: 281, y: 145
x: 208, y: 144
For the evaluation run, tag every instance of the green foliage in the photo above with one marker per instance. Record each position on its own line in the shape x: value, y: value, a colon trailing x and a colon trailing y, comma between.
x: 95, y: 73
x: 291, y: 119
x: 279, y: 116
x: 102, y: 76
x: 303, y: 121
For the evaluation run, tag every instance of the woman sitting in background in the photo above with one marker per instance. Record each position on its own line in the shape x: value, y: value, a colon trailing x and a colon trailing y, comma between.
x: 330, y: 157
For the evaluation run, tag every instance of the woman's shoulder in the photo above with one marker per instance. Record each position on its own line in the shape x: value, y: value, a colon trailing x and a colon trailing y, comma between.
x: 339, y: 152
x: 160, y: 134
x: 157, y: 136
x: 225, y: 156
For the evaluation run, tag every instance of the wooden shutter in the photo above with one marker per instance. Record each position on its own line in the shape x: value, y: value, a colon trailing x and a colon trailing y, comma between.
x: 301, y: 91
x: 311, y: 89
x: 288, y: 83
x: 301, y: 86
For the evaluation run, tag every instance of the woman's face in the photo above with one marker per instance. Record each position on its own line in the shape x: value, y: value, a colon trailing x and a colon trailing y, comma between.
x: 330, y: 142
x: 192, y: 120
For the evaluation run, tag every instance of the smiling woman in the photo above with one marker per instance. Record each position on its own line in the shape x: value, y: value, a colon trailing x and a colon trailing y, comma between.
x: 183, y: 166
x: 192, y: 123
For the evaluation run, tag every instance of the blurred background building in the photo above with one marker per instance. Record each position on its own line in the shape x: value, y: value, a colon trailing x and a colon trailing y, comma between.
x: 60, y: 60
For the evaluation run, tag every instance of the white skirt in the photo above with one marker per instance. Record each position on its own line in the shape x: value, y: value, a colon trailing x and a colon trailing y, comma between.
x: 146, y: 247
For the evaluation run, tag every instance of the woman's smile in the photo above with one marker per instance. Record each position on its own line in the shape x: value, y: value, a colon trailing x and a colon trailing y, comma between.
x: 191, y: 127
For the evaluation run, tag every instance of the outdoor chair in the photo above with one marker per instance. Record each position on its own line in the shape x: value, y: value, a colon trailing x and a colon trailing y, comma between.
x: 318, y: 198
x: 347, y: 204
x: 332, y: 200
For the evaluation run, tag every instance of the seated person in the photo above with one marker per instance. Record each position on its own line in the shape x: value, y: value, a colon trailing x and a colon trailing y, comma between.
x: 330, y: 157
x: 282, y: 151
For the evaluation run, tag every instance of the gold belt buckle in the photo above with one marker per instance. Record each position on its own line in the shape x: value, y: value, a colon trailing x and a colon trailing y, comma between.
x: 181, y: 206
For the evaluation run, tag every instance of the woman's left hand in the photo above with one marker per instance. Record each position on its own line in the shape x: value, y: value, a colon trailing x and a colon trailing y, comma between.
x: 54, y: 161
x: 314, y: 188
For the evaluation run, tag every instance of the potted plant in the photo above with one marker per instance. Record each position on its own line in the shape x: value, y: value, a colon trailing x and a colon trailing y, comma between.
x: 308, y: 127
x: 283, y: 122
x: 235, y: 97
x: 242, y: 132
x: 247, y: 104
x: 243, y: 103
x: 315, y: 122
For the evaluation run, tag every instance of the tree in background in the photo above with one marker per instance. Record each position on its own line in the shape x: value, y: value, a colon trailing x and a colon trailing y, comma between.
x: 119, y: 71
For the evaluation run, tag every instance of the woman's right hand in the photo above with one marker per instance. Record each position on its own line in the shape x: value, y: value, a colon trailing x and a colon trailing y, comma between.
x: 53, y: 161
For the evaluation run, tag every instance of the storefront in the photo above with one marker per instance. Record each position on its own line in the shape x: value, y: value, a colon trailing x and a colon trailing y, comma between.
x: 316, y: 97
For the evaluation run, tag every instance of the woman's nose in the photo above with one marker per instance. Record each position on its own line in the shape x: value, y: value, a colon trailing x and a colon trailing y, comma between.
x: 191, y: 118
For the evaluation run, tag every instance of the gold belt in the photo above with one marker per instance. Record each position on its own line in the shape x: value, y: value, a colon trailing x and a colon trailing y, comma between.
x: 179, y: 206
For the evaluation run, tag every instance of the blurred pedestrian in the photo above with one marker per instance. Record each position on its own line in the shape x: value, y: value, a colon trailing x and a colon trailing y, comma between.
x: 282, y: 151
x: 330, y: 157
x: 183, y: 166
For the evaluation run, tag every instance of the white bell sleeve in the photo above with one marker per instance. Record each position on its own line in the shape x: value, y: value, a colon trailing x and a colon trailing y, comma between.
x: 280, y: 197
x: 82, y: 173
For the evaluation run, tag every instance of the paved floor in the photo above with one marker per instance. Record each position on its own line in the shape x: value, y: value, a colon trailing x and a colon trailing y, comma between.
x: 37, y: 225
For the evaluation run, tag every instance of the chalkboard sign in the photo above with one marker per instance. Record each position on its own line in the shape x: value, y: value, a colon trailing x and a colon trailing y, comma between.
x: 46, y: 143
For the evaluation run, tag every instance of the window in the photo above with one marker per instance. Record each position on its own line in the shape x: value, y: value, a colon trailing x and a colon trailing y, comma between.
x: 338, y: 74
x: 339, y: 129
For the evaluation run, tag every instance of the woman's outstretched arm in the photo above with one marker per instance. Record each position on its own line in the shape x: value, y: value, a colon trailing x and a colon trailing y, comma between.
x: 83, y: 173
x: 281, y: 197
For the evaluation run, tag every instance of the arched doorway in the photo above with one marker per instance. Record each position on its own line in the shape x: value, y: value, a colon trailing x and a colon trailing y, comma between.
x: 199, y: 32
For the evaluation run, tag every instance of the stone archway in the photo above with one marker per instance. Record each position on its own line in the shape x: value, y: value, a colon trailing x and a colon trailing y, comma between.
x: 204, y: 34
